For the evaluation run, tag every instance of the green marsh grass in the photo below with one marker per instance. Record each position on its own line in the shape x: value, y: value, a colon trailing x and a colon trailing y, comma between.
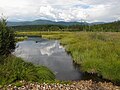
x: 95, y: 52
x: 13, y: 69
x: 21, y: 38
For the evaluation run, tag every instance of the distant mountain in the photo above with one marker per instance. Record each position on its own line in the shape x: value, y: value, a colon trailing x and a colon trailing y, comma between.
x: 43, y: 22
x: 95, y: 23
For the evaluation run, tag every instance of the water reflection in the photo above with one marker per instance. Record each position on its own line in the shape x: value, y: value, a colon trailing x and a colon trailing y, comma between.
x: 48, y: 53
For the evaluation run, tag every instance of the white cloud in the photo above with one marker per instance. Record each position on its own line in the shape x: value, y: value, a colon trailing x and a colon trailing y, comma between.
x: 65, y: 10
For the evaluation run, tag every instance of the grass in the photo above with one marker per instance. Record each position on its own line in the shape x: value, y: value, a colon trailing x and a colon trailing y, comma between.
x: 18, y: 84
x: 13, y: 69
x: 21, y: 38
x: 94, y: 52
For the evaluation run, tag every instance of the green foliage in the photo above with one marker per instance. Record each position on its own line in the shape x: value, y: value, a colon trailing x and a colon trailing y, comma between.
x: 54, y: 28
x: 7, y: 40
x: 18, y: 84
x: 15, y: 69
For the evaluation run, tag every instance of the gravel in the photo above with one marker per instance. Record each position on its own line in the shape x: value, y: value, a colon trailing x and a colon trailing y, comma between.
x: 74, y: 85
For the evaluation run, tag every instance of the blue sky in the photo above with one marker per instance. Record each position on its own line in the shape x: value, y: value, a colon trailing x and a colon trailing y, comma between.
x: 61, y: 10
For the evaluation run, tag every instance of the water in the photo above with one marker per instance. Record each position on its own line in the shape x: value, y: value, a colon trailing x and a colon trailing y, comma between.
x: 50, y: 54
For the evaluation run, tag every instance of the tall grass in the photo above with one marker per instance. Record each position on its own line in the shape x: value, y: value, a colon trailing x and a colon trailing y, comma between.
x: 94, y: 52
x: 14, y: 69
x: 21, y: 38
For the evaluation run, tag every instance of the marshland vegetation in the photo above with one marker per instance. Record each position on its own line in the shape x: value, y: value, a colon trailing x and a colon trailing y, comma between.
x: 94, y: 52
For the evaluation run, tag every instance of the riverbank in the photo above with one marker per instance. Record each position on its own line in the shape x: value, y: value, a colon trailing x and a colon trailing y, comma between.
x: 79, y: 85
x: 13, y: 69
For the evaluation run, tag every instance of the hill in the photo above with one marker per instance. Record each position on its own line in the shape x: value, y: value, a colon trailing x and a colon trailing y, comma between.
x: 43, y: 22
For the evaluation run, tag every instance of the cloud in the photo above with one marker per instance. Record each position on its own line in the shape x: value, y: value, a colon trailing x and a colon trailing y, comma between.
x: 61, y: 10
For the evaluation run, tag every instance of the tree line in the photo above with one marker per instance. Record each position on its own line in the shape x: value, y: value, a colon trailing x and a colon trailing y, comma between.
x: 106, y: 27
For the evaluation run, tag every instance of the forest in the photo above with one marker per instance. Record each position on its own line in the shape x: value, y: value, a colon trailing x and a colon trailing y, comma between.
x: 106, y: 27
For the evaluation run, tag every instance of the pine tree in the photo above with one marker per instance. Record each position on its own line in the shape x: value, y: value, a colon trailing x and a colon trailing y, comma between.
x: 7, y: 38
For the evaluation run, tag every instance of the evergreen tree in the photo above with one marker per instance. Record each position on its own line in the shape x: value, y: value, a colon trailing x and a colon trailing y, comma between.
x: 7, y: 38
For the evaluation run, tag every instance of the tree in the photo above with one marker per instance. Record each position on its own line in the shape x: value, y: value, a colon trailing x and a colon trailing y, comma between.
x: 54, y: 28
x: 7, y: 38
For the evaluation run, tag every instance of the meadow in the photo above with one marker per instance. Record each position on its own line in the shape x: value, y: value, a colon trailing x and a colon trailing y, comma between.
x: 94, y: 52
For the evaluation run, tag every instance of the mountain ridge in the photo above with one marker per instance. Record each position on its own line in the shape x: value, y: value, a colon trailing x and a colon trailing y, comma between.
x: 48, y: 22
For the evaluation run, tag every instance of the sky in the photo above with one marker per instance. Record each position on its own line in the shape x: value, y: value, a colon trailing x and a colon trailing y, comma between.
x: 61, y: 10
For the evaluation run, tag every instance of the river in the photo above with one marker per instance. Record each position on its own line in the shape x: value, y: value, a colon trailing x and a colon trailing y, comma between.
x: 48, y: 53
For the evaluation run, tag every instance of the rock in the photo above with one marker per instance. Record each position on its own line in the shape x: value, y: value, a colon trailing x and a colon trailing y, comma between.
x: 79, y: 85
